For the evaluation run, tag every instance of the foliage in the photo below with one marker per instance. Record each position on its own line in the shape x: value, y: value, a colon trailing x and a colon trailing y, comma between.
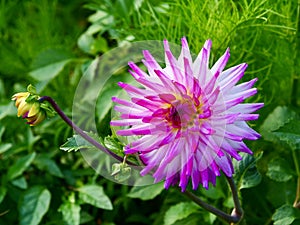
x: 52, y: 44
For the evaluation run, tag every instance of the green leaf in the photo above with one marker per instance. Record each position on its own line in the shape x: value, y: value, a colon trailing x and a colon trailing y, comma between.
x: 46, y: 73
x: 293, y: 140
x: 195, y: 219
x: 87, y: 43
x: 113, y: 144
x: 290, y: 133
x: 33, y: 205
x: 47, y: 164
x: 7, y: 110
x: 285, y: 215
x: 70, y: 212
x: 4, y: 147
x: 278, y: 193
x: 246, y: 173
x: 146, y: 192
x: 121, y: 171
x: 20, y: 166
x: 280, y: 116
x: 3, y: 192
x: 179, y: 211
x: 104, y: 102
x: 277, y: 119
x: 20, y: 183
x: 279, y: 170
x: 213, y: 192
x: 31, y: 89
x: 85, y: 217
x: 75, y: 143
x: 94, y: 195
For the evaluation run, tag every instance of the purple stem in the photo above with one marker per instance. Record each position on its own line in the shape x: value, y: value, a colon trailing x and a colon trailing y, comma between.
x: 237, y: 213
x: 80, y: 131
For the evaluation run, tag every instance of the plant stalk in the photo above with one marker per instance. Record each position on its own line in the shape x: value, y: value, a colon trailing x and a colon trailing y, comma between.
x: 237, y: 213
x: 297, y: 198
x: 296, y: 75
x: 80, y: 131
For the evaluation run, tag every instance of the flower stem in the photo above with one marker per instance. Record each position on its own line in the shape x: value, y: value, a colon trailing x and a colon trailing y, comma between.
x: 80, y: 131
x: 237, y: 213
x: 297, y: 198
x: 296, y: 60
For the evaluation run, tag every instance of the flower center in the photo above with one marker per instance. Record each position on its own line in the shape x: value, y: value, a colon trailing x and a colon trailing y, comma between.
x: 181, y: 113
x: 173, y: 117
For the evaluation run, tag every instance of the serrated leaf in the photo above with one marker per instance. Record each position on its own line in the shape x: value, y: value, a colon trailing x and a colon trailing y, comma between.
x: 113, y: 144
x: 179, y: 211
x: 94, y: 195
x: 47, y: 164
x: 70, y: 212
x: 33, y: 205
x: 285, y: 215
x: 246, y: 173
x: 75, y: 143
x: 146, y: 192
x: 20, y: 166
x: 279, y: 170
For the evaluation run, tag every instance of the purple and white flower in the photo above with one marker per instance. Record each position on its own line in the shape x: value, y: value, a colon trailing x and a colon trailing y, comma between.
x: 189, y: 120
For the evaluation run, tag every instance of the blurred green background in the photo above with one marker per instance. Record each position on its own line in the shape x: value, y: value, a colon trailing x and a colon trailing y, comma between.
x: 51, y: 43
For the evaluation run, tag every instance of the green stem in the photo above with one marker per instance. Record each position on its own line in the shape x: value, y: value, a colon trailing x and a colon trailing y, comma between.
x: 296, y: 71
x: 237, y: 213
x: 297, y: 198
x: 295, y: 158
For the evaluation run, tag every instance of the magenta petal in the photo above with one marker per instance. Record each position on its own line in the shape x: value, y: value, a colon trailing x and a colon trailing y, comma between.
x: 221, y: 63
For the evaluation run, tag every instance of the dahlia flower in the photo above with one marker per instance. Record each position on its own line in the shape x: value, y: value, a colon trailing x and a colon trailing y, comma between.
x: 188, y: 120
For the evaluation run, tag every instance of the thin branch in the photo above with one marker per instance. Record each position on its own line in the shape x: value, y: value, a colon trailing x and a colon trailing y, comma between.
x: 297, y: 199
x: 237, y: 213
x: 237, y: 205
x: 212, y: 209
x: 81, y: 132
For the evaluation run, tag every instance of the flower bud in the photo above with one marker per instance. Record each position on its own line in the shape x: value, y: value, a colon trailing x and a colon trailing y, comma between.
x: 29, y: 109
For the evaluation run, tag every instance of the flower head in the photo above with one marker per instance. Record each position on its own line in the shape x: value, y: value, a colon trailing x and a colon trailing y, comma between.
x: 30, y: 108
x: 189, y: 119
